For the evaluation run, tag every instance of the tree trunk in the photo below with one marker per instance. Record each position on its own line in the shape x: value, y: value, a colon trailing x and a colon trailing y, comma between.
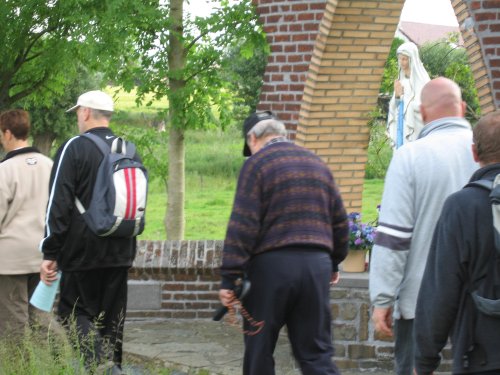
x: 174, y: 220
x: 43, y: 142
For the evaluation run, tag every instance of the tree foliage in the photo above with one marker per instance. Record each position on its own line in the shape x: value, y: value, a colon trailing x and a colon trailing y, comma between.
x: 44, y: 43
x: 50, y: 122
x: 205, y: 99
x: 443, y: 58
x: 245, y: 75
x: 182, y: 58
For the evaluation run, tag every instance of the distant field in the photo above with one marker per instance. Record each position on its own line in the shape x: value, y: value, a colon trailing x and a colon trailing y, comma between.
x: 126, y: 101
x: 213, y: 160
x: 208, y: 205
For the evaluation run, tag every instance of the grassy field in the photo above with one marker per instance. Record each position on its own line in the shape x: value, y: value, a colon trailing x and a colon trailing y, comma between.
x: 126, y: 101
x: 209, y: 201
x: 213, y: 161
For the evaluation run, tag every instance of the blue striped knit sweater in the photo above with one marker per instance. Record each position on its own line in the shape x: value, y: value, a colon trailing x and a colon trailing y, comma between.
x: 286, y: 198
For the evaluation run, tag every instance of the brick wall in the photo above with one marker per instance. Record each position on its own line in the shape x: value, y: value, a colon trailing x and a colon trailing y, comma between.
x: 326, y: 65
x: 291, y: 28
x: 342, y: 87
x: 479, y: 22
x: 179, y: 279
x: 175, y: 279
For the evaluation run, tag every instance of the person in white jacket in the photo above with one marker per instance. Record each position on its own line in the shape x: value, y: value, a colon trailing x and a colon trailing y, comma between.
x: 24, y: 186
x: 420, y: 177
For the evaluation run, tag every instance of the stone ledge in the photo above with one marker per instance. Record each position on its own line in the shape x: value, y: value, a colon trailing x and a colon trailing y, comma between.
x: 200, y: 257
x: 168, y: 273
x: 353, y: 280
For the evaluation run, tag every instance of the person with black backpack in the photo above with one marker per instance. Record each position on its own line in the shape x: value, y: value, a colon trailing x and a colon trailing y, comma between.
x: 96, y: 176
x: 460, y: 292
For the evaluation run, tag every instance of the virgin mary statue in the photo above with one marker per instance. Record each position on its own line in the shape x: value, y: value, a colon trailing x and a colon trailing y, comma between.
x: 404, y: 121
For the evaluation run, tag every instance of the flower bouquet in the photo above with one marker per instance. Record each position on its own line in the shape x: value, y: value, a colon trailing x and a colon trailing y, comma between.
x: 361, y: 238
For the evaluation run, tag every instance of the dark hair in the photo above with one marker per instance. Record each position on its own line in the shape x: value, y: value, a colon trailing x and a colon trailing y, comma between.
x: 486, y: 136
x: 17, y: 121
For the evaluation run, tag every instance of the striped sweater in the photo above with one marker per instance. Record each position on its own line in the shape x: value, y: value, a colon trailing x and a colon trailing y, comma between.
x: 286, y: 197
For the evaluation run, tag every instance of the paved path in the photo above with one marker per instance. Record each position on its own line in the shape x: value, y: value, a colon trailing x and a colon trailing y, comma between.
x: 193, y: 345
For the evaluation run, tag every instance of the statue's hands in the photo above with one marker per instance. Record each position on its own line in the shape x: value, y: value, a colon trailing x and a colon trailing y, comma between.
x: 398, y: 89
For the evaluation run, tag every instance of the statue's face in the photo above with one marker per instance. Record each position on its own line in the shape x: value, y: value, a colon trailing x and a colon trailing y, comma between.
x: 404, y: 63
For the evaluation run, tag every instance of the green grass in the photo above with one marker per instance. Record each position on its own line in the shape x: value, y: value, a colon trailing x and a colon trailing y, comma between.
x: 372, y: 196
x: 213, y: 160
x: 126, y: 101
x: 208, y: 205
x: 45, y: 351
x: 209, y: 202
x: 207, y: 208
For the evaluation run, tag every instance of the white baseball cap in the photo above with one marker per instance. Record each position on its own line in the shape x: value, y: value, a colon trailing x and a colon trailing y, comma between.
x: 94, y: 99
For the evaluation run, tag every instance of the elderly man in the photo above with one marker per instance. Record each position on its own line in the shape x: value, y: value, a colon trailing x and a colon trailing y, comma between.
x: 287, y: 234
x: 461, y: 252
x: 420, y: 177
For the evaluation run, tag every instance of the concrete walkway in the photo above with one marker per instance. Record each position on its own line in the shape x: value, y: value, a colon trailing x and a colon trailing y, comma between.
x: 194, y: 346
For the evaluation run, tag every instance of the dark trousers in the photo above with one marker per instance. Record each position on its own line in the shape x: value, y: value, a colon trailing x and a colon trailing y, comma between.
x: 404, y: 346
x: 292, y: 288
x: 94, y: 302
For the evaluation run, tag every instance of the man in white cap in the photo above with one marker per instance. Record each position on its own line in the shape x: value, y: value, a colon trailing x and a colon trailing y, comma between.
x: 94, y: 269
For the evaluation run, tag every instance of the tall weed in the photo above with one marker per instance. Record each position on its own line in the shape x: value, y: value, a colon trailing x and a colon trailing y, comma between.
x: 39, y: 353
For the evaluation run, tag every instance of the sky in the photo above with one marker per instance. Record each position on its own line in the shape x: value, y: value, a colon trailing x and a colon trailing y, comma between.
x: 438, y: 12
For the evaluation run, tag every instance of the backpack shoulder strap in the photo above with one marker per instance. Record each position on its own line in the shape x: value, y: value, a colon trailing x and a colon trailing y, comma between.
x: 495, y: 207
x: 103, y: 146
x: 119, y: 145
x: 126, y: 148
x: 485, y: 184
x: 105, y: 149
x: 494, y: 188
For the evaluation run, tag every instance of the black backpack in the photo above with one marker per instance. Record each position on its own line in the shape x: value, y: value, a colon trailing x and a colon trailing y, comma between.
x: 118, y: 203
x: 486, y: 292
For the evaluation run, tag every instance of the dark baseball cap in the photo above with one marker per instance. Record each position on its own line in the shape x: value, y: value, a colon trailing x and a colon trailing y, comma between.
x: 250, y: 122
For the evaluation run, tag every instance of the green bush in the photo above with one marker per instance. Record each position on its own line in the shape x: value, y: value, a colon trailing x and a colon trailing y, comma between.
x: 379, y: 150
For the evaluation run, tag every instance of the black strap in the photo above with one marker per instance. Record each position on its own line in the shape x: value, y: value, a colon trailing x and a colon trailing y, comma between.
x: 99, y: 142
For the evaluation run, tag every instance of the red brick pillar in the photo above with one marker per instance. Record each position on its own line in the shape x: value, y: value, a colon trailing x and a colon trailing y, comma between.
x: 291, y: 27
x: 480, y: 26
x: 326, y: 64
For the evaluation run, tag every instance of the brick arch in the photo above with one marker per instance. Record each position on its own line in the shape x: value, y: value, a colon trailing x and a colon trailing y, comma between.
x: 326, y: 64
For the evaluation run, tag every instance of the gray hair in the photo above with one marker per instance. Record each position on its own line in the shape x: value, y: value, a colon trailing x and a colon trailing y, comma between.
x: 268, y: 127
x: 99, y: 113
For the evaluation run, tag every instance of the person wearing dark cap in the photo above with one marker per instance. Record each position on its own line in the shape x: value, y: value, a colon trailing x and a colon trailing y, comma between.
x: 287, y: 234
x: 94, y: 269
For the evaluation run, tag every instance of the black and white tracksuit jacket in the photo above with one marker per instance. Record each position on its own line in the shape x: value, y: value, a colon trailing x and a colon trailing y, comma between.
x: 67, y: 238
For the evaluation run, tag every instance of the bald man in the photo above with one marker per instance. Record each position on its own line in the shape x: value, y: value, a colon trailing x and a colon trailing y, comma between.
x: 420, y: 177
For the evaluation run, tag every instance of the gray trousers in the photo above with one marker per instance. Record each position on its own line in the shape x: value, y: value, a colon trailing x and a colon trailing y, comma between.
x: 404, y: 346
x: 16, y: 312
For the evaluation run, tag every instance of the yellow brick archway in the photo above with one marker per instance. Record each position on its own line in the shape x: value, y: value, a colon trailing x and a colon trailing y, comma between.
x: 324, y: 72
